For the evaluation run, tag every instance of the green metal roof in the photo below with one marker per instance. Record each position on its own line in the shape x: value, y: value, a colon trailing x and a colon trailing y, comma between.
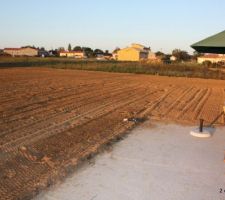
x: 213, y: 44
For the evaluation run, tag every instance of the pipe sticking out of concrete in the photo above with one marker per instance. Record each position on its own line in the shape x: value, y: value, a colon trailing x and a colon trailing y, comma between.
x: 201, y: 125
x: 202, y: 132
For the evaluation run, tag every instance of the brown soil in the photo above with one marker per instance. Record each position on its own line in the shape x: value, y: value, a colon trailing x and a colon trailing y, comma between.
x: 50, y: 119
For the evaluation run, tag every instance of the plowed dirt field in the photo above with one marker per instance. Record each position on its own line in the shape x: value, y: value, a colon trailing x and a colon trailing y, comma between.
x: 50, y: 119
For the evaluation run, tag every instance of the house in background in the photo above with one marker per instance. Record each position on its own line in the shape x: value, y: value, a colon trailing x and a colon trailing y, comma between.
x: 213, y: 58
x: 23, y: 51
x: 135, y: 52
x: 72, y: 54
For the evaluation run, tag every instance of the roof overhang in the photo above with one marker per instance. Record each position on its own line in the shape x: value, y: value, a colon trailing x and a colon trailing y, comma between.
x: 212, y: 44
x: 204, y: 49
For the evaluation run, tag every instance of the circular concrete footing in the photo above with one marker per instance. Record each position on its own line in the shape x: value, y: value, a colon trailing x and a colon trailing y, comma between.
x: 207, y: 132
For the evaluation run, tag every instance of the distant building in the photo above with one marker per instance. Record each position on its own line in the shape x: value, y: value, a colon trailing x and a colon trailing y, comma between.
x: 213, y: 58
x: 23, y: 51
x: 136, y: 52
x: 72, y: 54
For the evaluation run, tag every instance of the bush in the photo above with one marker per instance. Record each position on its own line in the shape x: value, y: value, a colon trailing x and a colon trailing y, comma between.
x: 2, y: 54
x: 207, y: 63
x: 221, y: 63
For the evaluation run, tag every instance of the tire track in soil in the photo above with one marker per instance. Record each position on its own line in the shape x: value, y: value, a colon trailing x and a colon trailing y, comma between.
x: 184, y: 106
x: 54, y: 96
x: 188, y: 114
x: 15, y: 110
x: 66, y: 124
x: 211, y: 110
x: 43, y: 92
x: 168, y: 102
x: 64, y: 107
x: 154, y: 104
x: 52, y: 101
x: 173, y: 109
x: 72, y: 113
x: 198, y: 107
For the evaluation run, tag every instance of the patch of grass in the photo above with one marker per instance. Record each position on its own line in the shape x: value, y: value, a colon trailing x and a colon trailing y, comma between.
x: 176, y: 70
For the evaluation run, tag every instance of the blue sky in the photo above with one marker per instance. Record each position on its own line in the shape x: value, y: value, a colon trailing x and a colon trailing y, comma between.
x: 106, y: 24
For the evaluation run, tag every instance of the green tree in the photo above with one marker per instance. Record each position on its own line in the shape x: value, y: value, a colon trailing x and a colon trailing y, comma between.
x: 98, y: 52
x: 159, y: 54
x: 61, y: 49
x: 77, y: 48
x: 69, y: 47
x: 181, y: 55
x: 42, y: 49
x: 88, y: 51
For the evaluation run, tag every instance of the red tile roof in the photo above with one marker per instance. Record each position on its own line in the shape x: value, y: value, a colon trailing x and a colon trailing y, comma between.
x: 17, y: 49
x: 12, y: 49
x: 71, y: 51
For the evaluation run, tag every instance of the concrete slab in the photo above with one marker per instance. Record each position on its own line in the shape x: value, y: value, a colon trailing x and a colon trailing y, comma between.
x: 162, y: 162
